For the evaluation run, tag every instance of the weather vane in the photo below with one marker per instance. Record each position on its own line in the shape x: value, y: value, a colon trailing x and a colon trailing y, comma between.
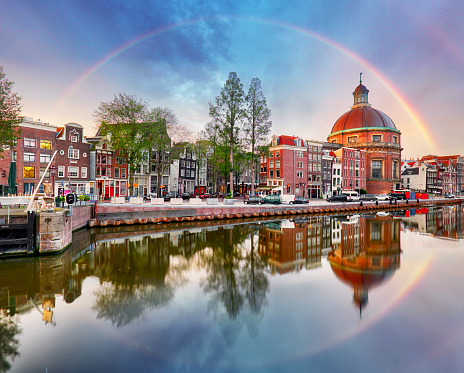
x: 360, y: 80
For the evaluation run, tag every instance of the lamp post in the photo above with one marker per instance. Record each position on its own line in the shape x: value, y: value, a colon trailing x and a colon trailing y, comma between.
x: 53, y: 169
x: 69, y: 165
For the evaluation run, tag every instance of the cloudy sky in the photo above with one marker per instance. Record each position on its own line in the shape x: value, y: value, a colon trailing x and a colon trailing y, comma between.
x: 66, y: 57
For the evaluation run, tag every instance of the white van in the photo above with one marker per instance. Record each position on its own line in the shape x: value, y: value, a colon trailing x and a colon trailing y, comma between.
x: 352, y: 195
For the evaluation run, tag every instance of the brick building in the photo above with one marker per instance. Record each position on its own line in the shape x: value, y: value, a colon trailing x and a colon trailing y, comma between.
x: 109, y: 170
x: 35, y: 148
x: 353, y: 168
x: 314, y: 168
x: 286, y: 167
x: 366, y: 128
x: 72, y: 162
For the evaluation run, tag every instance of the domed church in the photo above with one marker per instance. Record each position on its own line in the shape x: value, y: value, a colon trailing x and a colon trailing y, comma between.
x: 369, y: 129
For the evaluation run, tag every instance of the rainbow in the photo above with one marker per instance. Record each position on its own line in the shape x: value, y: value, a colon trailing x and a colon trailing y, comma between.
x: 394, y: 91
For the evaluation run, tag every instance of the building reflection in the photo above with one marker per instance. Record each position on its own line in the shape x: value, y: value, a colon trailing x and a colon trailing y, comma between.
x: 295, y: 244
x: 445, y: 221
x: 366, y: 252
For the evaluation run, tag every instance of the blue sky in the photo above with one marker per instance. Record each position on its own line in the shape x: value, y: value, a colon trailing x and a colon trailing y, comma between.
x: 66, y: 57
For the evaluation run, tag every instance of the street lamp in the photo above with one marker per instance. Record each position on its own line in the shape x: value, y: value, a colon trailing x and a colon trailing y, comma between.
x: 69, y: 165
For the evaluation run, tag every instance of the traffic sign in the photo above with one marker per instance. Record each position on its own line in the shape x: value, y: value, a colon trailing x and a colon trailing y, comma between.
x: 71, y: 198
x: 61, y: 191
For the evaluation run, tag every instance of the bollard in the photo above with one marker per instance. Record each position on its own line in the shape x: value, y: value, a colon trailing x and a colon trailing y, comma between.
x: 376, y: 203
x: 361, y: 203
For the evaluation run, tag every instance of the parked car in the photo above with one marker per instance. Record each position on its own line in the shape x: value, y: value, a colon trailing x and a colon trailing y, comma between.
x: 299, y: 200
x: 205, y: 195
x: 352, y: 195
x: 397, y: 195
x: 368, y: 197
x: 169, y: 195
x: 382, y: 197
x: 450, y: 195
x: 272, y: 198
x: 338, y: 198
x: 185, y: 196
x: 254, y: 200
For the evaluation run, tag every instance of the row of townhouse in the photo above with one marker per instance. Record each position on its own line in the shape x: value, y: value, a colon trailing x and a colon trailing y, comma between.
x: 86, y: 165
x: 433, y: 174
x: 35, y: 148
x: 310, y: 168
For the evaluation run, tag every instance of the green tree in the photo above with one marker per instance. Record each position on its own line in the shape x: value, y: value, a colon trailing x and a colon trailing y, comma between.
x: 167, y: 141
x: 10, y: 110
x: 215, y: 151
x: 227, y: 112
x: 135, y: 129
x: 257, y: 125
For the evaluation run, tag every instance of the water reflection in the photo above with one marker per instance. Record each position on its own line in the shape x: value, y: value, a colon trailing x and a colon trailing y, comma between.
x: 446, y: 221
x: 365, y: 253
x: 141, y: 269
x: 9, y: 343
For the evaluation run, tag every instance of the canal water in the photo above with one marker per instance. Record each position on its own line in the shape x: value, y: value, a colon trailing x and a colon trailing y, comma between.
x: 361, y: 293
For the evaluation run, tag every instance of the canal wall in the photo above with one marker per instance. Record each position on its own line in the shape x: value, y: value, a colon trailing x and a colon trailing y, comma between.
x: 55, y: 228
x: 115, y: 215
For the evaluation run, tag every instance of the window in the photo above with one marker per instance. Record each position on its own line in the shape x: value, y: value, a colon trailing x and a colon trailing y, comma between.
x: 45, y: 144
x: 73, y: 153
x: 28, y: 188
x: 73, y: 171
x: 299, y: 164
x: 42, y: 172
x: 29, y: 157
x: 60, y: 171
x: 395, y: 139
x: 45, y: 158
x: 299, y: 174
x: 395, y: 169
x: 376, y: 169
x: 74, y: 138
x: 120, y: 160
x: 271, y: 164
x: 376, y: 138
x: 277, y: 173
x: 277, y: 164
x: 352, y: 139
x: 299, y: 153
x: 116, y: 172
x: 271, y: 173
x: 182, y: 172
x: 84, y: 172
x: 123, y: 173
x: 30, y: 143
x: 29, y: 172
x: 277, y: 153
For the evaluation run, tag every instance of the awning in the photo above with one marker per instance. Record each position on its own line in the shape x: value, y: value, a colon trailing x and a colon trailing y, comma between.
x: 267, y: 187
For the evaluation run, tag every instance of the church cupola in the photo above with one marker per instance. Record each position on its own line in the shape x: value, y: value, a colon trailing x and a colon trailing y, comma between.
x: 360, y: 94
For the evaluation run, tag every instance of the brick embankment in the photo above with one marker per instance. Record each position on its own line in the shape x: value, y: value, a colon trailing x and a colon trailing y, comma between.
x: 115, y: 215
